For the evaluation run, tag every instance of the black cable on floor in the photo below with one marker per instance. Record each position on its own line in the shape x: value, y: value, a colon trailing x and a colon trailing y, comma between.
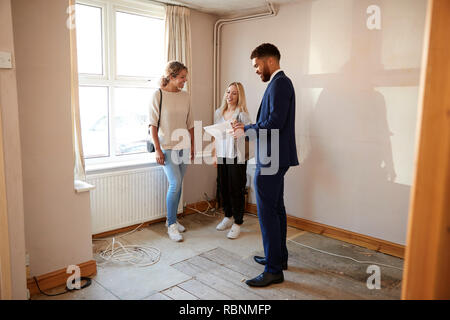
x: 87, y: 284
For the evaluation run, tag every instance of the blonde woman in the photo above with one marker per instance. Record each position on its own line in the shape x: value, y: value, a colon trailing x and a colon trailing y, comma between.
x: 231, y: 168
x: 176, y: 113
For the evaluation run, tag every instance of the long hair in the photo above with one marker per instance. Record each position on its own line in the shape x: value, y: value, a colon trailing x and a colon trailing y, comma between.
x: 241, y: 103
x: 173, y: 69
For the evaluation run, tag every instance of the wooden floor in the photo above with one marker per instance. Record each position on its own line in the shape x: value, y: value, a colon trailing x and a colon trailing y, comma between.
x: 219, y: 274
x: 209, y: 266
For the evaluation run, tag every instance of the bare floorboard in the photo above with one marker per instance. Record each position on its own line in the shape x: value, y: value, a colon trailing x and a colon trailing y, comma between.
x: 353, y: 274
x: 177, y: 293
x: 301, y: 282
x: 250, y: 270
x: 158, y: 296
x: 238, y: 277
x: 226, y: 287
x: 202, y: 291
x: 219, y: 273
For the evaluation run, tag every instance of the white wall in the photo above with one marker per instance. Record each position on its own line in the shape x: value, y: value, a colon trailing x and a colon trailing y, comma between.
x: 12, y: 156
x: 57, y: 220
x: 356, y: 99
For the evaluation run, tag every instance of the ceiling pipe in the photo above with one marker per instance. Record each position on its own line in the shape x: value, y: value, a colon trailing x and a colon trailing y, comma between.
x: 218, y: 25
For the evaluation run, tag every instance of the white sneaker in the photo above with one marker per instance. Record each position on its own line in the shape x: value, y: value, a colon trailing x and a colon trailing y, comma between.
x: 234, y: 232
x: 181, y: 228
x: 224, y: 224
x: 173, y: 232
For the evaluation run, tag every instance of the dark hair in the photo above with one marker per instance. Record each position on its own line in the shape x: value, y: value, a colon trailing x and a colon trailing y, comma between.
x: 173, y: 68
x: 266, y: 50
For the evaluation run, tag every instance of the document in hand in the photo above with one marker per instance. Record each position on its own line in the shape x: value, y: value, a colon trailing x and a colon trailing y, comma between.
x: 219, y: 131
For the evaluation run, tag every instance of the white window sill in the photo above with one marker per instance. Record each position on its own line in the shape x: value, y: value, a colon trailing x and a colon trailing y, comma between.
x: 82, y: 186
x: 120, y: 165
x: 111, y: 166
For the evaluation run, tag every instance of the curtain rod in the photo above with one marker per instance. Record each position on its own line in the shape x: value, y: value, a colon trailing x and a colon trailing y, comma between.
x: 172, y: 3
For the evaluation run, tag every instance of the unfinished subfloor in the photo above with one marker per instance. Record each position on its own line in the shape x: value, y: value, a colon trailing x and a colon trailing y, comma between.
x: 207, y: 265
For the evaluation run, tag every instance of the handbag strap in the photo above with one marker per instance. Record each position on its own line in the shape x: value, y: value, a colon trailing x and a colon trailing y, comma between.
x: 160, y: 104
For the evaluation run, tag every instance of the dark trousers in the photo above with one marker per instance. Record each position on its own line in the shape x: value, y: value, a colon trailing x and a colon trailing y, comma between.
x: 231, y: 181
x: 272, y: 217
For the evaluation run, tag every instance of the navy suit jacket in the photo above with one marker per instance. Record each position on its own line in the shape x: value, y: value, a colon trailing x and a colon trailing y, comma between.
x: 277, y: 111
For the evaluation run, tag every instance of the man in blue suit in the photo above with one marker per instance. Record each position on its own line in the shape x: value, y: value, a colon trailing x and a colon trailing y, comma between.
x: 276, y: 152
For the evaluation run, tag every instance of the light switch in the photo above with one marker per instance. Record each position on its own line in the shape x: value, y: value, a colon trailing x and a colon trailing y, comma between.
x: 5, y: 60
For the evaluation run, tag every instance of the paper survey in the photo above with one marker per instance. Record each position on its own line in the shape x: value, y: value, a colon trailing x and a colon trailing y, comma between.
x: 219, y: 130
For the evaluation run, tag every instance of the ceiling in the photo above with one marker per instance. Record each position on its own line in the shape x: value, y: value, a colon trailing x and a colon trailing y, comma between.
x: 226, y: 8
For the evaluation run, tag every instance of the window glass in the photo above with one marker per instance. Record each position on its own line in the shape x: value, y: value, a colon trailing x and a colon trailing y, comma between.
x: 94, y: 121
x: 89, y: 39
x: 131, y: 119
x: 140, y: 45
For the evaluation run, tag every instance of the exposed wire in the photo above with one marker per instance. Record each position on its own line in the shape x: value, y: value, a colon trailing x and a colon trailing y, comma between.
x: 138, y: 255
x: 209, y: 209
x: 340, y: 256
x: 334, y: 254
x: 87, y: 284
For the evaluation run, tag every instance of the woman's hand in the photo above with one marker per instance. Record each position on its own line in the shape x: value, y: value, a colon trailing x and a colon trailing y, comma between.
x: 159, y: 156
x: 214, y: 155
x: 191, y: 133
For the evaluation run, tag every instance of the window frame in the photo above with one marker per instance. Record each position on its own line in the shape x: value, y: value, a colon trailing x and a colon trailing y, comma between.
x: 110, y: 79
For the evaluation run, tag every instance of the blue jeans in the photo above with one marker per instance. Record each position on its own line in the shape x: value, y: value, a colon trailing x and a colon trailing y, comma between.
x: 174, y: 168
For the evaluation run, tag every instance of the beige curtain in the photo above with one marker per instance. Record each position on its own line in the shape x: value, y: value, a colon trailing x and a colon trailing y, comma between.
x: 178, y: 37
x: 79, y: 168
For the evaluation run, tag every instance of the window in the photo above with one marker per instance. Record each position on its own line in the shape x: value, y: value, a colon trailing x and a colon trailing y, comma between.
x: 120, y: 59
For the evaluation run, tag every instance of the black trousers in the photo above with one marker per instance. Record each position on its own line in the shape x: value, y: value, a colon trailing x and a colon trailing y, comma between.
x: 231, y: 181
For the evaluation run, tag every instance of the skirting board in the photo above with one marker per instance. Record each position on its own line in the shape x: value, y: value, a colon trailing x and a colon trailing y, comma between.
x: 383, y: 246
x: 58, y: 278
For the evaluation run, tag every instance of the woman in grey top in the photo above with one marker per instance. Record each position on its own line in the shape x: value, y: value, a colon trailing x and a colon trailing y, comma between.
x: 230, y: 156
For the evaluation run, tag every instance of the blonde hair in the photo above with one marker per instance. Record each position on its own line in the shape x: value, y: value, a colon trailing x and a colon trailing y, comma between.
x: 241, y: 104
x: 173, y: 69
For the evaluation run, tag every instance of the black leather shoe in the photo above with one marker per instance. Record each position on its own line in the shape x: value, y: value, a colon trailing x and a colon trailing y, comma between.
x: 262, y: 260
x: 265, y: 279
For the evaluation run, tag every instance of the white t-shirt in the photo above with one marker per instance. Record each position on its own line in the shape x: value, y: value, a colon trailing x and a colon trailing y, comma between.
x: 176, y: 113
x: 227, y: 147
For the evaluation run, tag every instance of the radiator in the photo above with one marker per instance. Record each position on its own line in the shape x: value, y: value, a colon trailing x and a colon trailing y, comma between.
x: 124, y: 198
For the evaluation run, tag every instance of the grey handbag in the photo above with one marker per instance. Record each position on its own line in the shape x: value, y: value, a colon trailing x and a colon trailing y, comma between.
x: 150, y: 145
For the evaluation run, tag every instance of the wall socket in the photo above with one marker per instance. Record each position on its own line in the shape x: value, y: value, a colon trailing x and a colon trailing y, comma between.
x: 5, y: 60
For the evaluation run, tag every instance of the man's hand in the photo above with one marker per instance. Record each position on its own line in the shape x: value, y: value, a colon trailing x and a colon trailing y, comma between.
x: 238, y: 129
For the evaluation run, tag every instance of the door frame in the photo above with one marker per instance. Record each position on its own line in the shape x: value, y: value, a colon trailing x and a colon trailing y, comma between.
x: 427, y: 257
x: 5, y: 259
